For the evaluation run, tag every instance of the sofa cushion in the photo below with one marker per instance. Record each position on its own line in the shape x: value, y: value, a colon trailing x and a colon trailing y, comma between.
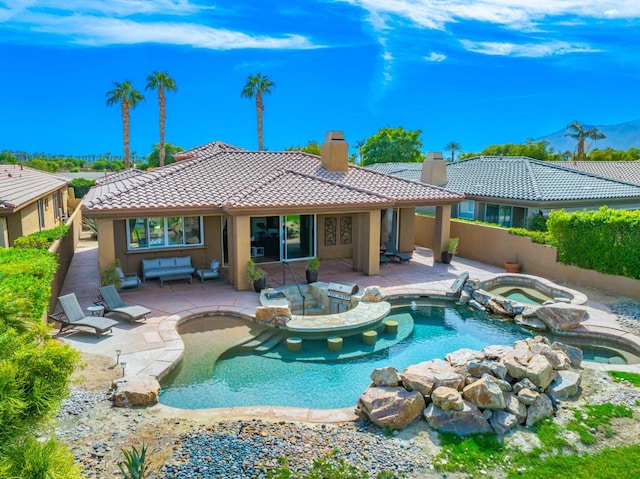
x: 215, y: 264
x: 150, y: 263
x: 183, y: 261
x: 167, y: 262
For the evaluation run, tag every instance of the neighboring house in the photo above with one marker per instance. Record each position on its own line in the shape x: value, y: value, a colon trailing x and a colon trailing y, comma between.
x: 219, y: 201
x: 627, y: 171
x: 511, y: 189
x: 30, y: 200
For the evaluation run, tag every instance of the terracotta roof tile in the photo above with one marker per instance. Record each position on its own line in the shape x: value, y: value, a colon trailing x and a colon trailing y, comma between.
x: 219, y: 176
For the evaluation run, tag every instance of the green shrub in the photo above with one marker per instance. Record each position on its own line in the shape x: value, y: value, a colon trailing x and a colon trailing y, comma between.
x: 34, y: 367
x: 29, y: 458
x: 313, y: 264
x: 254, y: 272
x: 81, y: 186
x: 110, y: 275
x: 540, y: 237
x: 604, y: 240
x: 42, y: 239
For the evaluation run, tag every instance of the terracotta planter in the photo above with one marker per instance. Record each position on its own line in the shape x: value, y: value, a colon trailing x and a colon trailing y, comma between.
x: 512, y: 267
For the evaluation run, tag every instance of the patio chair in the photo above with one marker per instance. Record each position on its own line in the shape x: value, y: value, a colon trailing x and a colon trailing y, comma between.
x: 112, y: 302
x: 392, y: 252
x: 210, y: 274
x: 72, y: 315
x: 128, y: 281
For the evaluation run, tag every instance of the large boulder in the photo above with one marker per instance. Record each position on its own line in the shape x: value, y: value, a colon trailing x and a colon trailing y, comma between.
x: 566, y: 385
x: 574, y: 354
x: 450, y: 380
x: 391, y: 407
x: 495, y: 352
x: 515, y: 407
x: 561, y: 316
x: 385, y: 376
x: 418, y: 381
x: 459, y: 359
x: 447, y: 398
x: 540, y: 409
x: 540, y: 371
x: 463, y: 423
x: 527, y: 396
x: 135, y: 391
x: 503, y: 421
x: 485, y: 393
x: 372, y: 294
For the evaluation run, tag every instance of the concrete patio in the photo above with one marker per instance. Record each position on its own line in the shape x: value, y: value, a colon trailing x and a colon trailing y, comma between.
x: 152, y: 346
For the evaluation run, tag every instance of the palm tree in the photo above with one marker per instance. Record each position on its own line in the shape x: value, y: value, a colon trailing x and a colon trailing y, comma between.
x: 128, y: 97
x: 453, y: 146
x: 257, y: 85
x: 578, y: 133
x: 161, y: 81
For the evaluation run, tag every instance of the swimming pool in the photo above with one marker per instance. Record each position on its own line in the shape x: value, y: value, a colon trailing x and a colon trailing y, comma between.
x: 318, y: 380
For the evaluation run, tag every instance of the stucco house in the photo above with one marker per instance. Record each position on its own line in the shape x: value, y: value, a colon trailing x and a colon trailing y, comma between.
x: 220, y: 201
x: 508, y: 190
x: 30, y: 200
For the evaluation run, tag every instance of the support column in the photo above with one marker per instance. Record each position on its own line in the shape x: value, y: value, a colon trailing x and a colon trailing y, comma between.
x: 406, y: 230
x: 240, y: 251
x: 441, y: 231
x: 370, y: 242
x: 106, y: 245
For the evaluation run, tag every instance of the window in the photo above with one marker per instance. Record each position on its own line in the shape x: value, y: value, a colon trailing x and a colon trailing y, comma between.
x: 164, y: 232
x: 57, y: 211
x: 466, y: 209
x: 41, y: 213
x: 498, y: 214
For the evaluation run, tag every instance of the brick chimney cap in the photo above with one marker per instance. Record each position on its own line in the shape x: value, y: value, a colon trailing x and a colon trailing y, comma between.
x: 334, y: 135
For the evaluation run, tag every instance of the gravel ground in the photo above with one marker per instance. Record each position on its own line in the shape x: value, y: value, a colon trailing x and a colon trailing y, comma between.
x: 628, y: 314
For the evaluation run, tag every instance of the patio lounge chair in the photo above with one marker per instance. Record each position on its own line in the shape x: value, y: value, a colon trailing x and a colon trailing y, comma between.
x: 72, y: 315
x: 392, y: 252
x: 128, y: 281
x: 112, y: 302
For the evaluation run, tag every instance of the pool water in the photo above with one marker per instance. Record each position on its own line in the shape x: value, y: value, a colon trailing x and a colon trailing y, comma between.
x: 521, y: 294
x: 318, y: 380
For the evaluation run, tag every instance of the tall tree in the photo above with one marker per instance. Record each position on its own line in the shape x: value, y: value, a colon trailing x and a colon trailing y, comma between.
x: 162, y: 82
x: 392, y: 144
x: 453, y: 146
x: 128, y: 97
x: 257, y: 86
x: 577, y: 131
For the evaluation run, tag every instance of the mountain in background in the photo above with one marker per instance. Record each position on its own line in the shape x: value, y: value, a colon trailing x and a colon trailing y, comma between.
x: 619, y: 137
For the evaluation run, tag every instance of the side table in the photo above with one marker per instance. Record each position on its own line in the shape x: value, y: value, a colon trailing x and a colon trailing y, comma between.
x: 97, y: 310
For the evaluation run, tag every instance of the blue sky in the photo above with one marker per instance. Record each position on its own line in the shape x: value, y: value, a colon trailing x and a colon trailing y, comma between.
x: 475, y: 72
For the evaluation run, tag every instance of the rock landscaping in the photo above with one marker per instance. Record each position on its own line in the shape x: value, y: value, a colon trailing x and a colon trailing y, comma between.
x: 475, y: 392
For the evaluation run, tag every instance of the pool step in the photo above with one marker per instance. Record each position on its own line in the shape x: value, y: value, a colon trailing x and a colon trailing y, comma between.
x: 258, y: 340
x: 270, y: 343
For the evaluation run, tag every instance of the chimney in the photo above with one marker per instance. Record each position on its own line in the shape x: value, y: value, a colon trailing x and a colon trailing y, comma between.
x: 434, y: 169
x: 335, y: 152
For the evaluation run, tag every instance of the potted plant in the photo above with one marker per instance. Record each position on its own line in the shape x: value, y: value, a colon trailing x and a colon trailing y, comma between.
x: 312, y: 270
x: 512, y: 266
x: 257, y: 276
x: 452, y: 248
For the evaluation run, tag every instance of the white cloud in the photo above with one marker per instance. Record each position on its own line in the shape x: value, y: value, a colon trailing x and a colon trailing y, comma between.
x: 121, y: 22
x: 435, y: 57
x: 526, y: 50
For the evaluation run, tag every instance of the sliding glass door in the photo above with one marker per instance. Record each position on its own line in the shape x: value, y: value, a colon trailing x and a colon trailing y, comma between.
x: 278, y: 238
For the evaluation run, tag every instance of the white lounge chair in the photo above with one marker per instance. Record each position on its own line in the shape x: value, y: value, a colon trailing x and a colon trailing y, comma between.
x: 72, y: 315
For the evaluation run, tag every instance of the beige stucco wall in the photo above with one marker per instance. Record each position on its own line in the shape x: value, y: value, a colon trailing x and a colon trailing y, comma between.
x: 495, y: 246
x: 338, y: 250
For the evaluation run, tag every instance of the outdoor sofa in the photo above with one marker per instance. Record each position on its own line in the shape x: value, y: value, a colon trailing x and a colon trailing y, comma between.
x: 162, y: 267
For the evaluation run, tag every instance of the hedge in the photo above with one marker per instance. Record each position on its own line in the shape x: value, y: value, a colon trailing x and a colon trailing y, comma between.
x: 42, y: 239
x: 605, y: 240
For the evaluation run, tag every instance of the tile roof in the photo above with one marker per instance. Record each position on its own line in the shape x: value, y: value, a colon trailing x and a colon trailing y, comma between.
x: 521, y: 178
x: 120, y: 175
x: 21, y: 185
x: 221, y: 176
x: 628, y: 171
